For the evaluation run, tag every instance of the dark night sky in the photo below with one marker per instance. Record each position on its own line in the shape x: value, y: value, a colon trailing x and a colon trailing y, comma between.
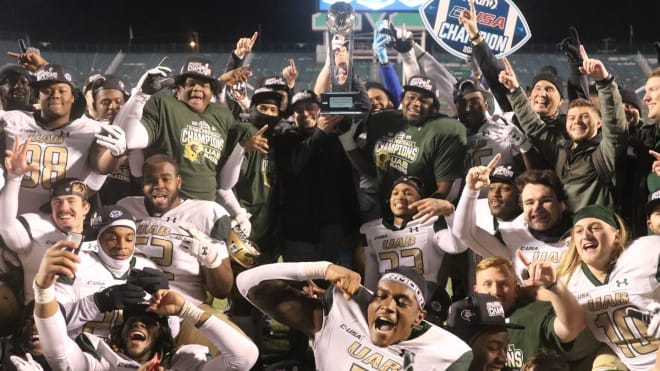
x: 286, y: 20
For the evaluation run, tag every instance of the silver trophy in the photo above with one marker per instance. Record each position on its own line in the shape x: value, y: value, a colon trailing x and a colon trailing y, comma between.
x: 342, y: 100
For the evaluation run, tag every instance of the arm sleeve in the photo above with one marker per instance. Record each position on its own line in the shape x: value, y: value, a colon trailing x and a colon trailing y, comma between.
x: 237, y: 351
x: 233, y: 62
x: 445, y: 239
x: 79, y: 312
x: 490, y: 68
x: 445, y: 80
x: 128, y: 118
x: 228, y: 200
x: 466, y: 229
x: 13, y: 232
x: 615, y: 126
x: 391, y: 82
x: 61, y: 352
x: 231, y: 169
x: 285, y: 271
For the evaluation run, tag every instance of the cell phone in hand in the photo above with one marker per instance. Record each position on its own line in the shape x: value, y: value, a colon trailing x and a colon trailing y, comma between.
x: 640, y: 315
x: 77, y: 239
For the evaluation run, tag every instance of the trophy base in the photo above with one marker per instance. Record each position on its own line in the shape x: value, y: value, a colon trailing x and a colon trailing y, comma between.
x: 346, y: 103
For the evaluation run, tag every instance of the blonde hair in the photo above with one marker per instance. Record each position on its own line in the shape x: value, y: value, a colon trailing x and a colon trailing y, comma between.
x: 499, y: 262
x: 571, y: 260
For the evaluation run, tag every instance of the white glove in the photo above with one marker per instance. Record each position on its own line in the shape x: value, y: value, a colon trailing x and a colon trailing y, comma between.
x: 654, y: 326
x: 347, y: 139
x: 513, y: 135
x: 147, y: 87
x: 243, y: 222
x: 27, y: 364
x: 208, y: 252
x: 114, y: 139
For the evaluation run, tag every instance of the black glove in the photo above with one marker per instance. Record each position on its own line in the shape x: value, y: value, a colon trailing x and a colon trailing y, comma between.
x: 571, y: 46
x: 657, y: 50
x: 150, y: 279
x: 116, y: 297
x: 402, y: 41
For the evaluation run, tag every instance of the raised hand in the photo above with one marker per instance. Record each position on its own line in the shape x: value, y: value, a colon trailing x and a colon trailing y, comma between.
x: 166, y: 303
x: 244, y: 45
x: 290, y: 74
x: 381, y: 40
x: 403, y: 40
x: 343, y: 278
x: 257, y: 142
x: 30, y: 60
x: 655, y: 167
x: 479, y: 176
x: 592, y: 67
x: 541, y: 273
x: 235, y: 76
x: 16, y: 160
x: 209, y: 253
x: 430, y: 207
x: 154, y: 80
x: 113, y: 138
x: 59, y: 260
x: 571, y: 47
x: 469, y: 20
x: 507, y: 77
x: 117, y: 296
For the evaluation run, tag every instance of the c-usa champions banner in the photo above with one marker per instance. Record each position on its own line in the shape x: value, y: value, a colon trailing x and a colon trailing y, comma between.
x: 500, y: 22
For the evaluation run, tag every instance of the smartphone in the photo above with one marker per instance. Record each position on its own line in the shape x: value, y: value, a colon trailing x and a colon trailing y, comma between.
x: 642, y: 316
x: 77, y: 239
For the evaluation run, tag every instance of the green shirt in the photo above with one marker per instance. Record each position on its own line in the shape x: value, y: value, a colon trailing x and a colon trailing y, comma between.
x: 434, y: 151
x: 196, y: 141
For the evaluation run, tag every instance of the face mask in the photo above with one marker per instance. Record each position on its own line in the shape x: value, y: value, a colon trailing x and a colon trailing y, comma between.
x: 259, y: 119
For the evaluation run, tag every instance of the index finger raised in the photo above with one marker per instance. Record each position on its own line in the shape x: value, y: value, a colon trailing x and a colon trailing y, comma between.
x: 494, y: 161
x: 473, y: 10
x: 254, y: 37
x: 583, y: 52
x: 292, y: 63
x: 523, y: 258
x: 654, y: 154
x: 262, y: 130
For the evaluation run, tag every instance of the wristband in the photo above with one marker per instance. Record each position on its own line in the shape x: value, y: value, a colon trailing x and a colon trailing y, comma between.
x: 312, y: 270
x: 215, y: 263
x: 191, y: 313
x: 475, y: 37
x: 550, y: 286
x: 43, y: 296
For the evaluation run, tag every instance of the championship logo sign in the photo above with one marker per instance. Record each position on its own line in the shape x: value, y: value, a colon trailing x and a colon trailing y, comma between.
x: 500, y: 22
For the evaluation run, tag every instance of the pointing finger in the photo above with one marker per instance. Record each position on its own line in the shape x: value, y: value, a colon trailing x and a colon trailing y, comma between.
x: 507, y: 65
x: 253, y: 38
x: 655, y: 154
x: 473, y: 10
x: 262, y: 130
x: 583, y: 52
x: 493, y: 162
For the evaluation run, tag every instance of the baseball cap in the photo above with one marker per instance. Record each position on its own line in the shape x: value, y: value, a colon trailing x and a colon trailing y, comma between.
x: 197, y: 67
x: 653, y: 202
x: 267, y: 96
x: 424, y: 85
x: 549, y: 73
x: 630, y: 97
x: 412, y: 181
x: 106, y: 82
x: 275, y: 82
x: 111, y: 216
x: 469, y: 85
x: 504, y: 174
x: 54, y: 73
x: 65, y: 187
x: 305, y: 96
x: 470, y: 317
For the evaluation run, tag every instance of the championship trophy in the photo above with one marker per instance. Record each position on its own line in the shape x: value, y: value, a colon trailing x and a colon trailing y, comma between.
x: 342, y: 100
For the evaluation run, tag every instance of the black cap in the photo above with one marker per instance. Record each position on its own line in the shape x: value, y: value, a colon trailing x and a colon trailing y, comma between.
x: 549, y: 74
x: 65, y: 187
x: 12, y: 69
x: 111, y: 216
x: 653, y: 202
x: 106, y: 82
x: 630, y: 97
x: 412, y: 181
x: 305, y: 96
x: 504, y: 174
x: 440, y: 300
x: 54, y: 73
x: 266, y: 96
x: 424, y: 85
x: 470, y: 317
x: 275, y: 82
x: 198, y: 68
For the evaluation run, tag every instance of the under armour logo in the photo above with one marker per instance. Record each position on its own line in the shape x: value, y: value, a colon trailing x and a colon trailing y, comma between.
x: 414, y: 229
x: 623, y: 282
x: 205, y: 250
x: 65, y: 133
x: 171, y: 219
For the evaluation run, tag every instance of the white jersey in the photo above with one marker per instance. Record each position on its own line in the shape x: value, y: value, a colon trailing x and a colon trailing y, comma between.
x: 41, y: 234
x: 344, y: 343
x: 60, y: 153
x: 62, y: 353
x: 413, y: 245
x: 92, y: 276
x: 533, y: 249
x: 159, y: 239
x: 633, y: 283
